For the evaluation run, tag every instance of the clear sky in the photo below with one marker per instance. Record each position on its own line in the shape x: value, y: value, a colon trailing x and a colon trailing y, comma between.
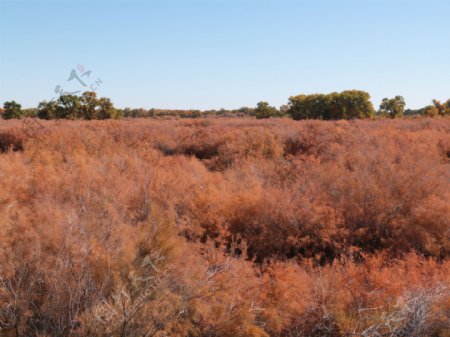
x: 233, y: 53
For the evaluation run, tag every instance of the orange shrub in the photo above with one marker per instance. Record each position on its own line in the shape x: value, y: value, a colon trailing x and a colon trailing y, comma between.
x: 224, y: 227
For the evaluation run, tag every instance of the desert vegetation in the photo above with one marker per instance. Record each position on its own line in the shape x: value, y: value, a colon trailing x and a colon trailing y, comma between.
x: 218, y: 227
x: 348, y: 104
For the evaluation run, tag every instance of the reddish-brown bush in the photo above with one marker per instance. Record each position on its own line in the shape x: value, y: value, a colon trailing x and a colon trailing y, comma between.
x: 11, y: 141
x: 224, y: 227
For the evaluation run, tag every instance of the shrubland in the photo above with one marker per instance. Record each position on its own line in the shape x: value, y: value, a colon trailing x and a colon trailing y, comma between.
x: 225, y: 227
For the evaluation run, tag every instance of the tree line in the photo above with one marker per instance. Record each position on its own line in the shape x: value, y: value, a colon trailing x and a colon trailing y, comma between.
x: 349, y: 104
x: 86, y: 106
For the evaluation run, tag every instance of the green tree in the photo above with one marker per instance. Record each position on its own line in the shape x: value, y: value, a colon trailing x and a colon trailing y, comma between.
x: 447, y: 107
x: 106, y: 109
x: 430, y: 111
x: 306, y: 106
x: 442, y: 108
x: 30, y: 112
x: 264, y: 110
x: 345, y: 105
x: 12, y: 110
x: 393, y: 107
x: 88, y: 106
x: 68, y: 107
x: 47, y: 110
x: 246, y: 111
x: 89, y: 103
x: 355, y: 104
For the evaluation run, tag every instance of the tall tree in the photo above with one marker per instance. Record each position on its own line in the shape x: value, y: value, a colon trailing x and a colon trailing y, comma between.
x: 106, y: 109
x: 88, y: 106
x: 345, y: 105
x: 47, y: 110
x: 442, y: 108
x: 355, y: 104
x: 393, y: 107
x: 89, y: 103
x: 68, y: 107
x: 430, y: 111
x: 12, y: 109
x: 264, y: 110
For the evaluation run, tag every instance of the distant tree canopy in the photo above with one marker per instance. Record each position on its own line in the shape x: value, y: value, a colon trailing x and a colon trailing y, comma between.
x: 88, y: 106
x: 430, y: 111
x: 349, y: 104
x: 433, y: 110
x: 442, y: 109
x: 264, y: 110
x: 393, y: 108
x: 48, y: 110
x: 12, y: 110
x: 189, y: 113
x: 344, y: 105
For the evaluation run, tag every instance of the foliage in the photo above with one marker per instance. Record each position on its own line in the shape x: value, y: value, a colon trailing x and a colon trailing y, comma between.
x: 88, y: 106
x: 443, y: 109
x: 225, y: 227
x: 345, y: 105
x: 350, y: 104
x: 48, y: 110
x: 69, y: 107
x: 12, y: 110
x: 264, y: 110
x: 393, y: 108
x: 165, y: 113
x: 11, y: 140
x: 430, y: 111
x: 89, y: 103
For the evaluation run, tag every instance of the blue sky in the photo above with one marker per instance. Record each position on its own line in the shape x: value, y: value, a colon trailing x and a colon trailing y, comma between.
x: 214, y: 54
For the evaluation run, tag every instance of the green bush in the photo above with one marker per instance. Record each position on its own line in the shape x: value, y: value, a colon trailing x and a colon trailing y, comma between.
x: 12, y: 109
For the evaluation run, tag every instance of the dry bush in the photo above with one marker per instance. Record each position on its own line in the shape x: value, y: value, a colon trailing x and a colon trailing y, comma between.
x: 224, y: 227
x: 352, y: 299
x: 11, y: 141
